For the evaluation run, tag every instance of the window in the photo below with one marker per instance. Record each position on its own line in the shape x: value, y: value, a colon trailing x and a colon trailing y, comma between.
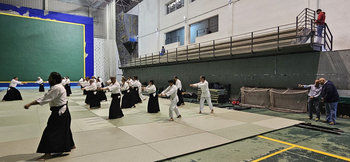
x: 174, y: 5
x: 203, y: 27
x: 175, y: 36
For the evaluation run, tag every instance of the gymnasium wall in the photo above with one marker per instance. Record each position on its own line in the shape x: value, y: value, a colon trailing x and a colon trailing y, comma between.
x: 239, y: 17
x: 271, y: 71
x: 36, y: 42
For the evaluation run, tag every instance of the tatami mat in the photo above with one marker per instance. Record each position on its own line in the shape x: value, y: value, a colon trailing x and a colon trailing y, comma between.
x: 138, y: 136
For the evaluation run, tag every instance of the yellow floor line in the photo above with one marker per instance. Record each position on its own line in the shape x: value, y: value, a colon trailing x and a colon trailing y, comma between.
x: 278, y: 152
x: 306, y: 148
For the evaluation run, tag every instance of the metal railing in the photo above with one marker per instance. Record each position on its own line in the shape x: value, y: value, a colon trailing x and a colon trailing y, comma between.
x: 172, y: 40
x: 274, y: 38
x: 207, y: 30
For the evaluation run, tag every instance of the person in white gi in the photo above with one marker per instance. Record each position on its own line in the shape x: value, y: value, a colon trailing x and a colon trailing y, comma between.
x: 63, y: 82
x: 41, y: 84
x: 179, y: 91
x: 204, y: 86
x: 172, y: 92
x: 136, y: 83
x: 57, y: 136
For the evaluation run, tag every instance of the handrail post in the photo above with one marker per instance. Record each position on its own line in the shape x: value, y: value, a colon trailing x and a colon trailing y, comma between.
x: 187, y: 52
x: 152, y: 58
x: 305, y: 18
x: 331, y: 42
x: 167, y: 56
x: 159, y: 57
x: 146, y: 60
x: 176, y: 54
x: 297, y: 29
x: 135, y: 61
x: 199, y: 50
x: 214, y: 48
x: 324, y: 37
x: 312, y: 34
x: 231, y: 46
x: 278, y: 38
x: 251, y: 44
x: 140, y: 61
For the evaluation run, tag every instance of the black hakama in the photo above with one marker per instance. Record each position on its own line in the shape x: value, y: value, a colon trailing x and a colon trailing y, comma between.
x: 88, y: 96
x: 153, y: 104
x: 57, y: 136
x: 68, y: 90
x: 114, y: 109
x: 135, y: 95
x: 94, y: 100
x: 102, y: 95
x: 127, y: 100
x: 12, y: 94
x: 102, y: 85
x: 84, y: 92
x: 181, y: 99
x: 41, y: 87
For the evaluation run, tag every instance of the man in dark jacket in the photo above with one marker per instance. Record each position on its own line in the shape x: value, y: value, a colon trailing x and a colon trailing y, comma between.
x: 320, y: 22
x: 330, y: 97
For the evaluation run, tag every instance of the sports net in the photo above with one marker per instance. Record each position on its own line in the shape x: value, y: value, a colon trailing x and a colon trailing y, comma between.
x: 288, y: 100
x: 255, y: 97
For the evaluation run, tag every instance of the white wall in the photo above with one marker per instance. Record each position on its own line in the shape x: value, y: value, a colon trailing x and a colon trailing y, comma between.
x: 239, y: 17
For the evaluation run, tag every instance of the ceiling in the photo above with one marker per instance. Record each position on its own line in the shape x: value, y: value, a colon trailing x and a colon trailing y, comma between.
x: 121, y: 5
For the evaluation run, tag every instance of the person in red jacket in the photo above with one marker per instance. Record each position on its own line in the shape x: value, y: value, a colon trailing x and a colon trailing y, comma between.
x: 320, y: 22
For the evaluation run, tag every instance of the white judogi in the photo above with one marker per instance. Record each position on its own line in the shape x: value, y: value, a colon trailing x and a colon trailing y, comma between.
x: 14, y: 83
x: 172, y: 92
x: 151, y: 89
x: 91, y: 87
x: 98, y: 85
x: 56, y: 96
x: 136, y: 83
x: 81, y: 80
x: 68, y: 81
x: 114, y: 88
x: 204, y: 86
x: 124, y: 87
x: 63, y: 82
x: 178, y: 84
x: 39, y: 81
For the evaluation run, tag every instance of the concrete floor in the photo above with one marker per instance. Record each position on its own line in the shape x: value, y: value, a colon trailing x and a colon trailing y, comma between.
x: 130, y: 138
x: 310, y: 145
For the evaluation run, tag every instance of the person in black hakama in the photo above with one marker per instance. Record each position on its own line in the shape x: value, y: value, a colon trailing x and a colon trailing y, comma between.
x: 114, y: 109
x: 134, y: 88
x: 153, y: 103
x: 101, y: 94
x: 179, y: 91
x: 41, y: 84
x: 127, y: 101
x: 12, y: 93
x: 57, y: 136
x: 91, y: 95
x: 67, y: 86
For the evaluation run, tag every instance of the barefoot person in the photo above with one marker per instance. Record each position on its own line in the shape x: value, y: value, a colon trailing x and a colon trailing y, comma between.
x: 153, y: 104
x: 12, y: 93
x: 57, y: 136
x: 179, y: 91
x: 41, y: 84
x: 114, y: 110
x: 203, y: 85
x: 172, y: 92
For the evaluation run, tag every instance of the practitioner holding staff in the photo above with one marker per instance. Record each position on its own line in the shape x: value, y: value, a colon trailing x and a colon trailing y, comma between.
x: 204, y: 86
x: 57, y: 136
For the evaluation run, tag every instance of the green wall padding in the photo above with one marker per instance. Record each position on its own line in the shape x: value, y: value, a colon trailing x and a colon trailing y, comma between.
x: 30, y: 48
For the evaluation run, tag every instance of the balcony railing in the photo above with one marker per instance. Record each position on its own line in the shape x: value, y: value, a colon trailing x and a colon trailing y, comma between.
x: 275, y: 38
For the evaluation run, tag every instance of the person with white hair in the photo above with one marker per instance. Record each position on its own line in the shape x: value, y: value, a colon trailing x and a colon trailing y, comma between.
x: 41, y: 84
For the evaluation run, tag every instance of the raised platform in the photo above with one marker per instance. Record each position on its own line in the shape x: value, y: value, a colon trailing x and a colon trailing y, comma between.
x: 138, y: 136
